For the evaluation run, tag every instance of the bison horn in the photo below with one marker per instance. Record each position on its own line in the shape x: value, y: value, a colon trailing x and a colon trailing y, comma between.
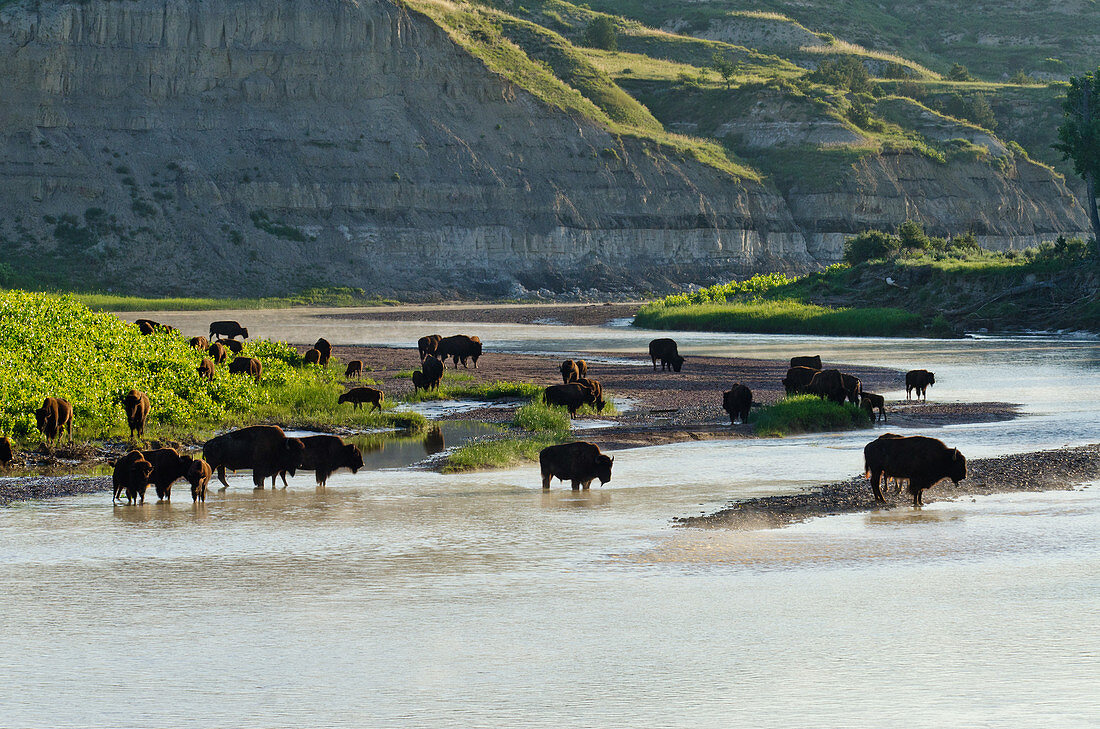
x: 612, y: 459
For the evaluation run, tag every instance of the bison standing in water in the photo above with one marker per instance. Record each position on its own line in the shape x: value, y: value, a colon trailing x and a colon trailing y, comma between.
x: 737, y: 402
x: 920, y: 381
x: 136, y: 405
x: 131, y: 475
x: 580, y: 463
x: 324, y: 454
x: 263, y: 448
x: 666, y: 351
x: 198, y: 475
x: 922, y: 460
x: 168, y: 467
x: 54, y: 417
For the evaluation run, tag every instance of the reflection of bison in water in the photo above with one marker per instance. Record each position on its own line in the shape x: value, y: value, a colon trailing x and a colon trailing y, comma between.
x: 263, y: 448
x: 54, y: 417
x: 923, y: 461
x: 814, y: 363
x: 459, y: 348
x: 828, y: 385
x: 7, y: 451
x: 869, y: 401
x: 136, y: 405
x: 198, y: 475
x: 217, y: 352
x: 428, y: 345
x: 359, y: 395
x: 919, y: 380
x: 798, y: 379
x: 580, y: 463
x: 573, y: 396
x: 131, y: 476
x: 228, y: 328
x: 737, y: 402
x: 666, y: 351
x: 324, y: 454
x: 246, y: 366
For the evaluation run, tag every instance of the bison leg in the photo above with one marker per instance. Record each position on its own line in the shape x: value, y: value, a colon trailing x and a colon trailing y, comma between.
x: 576, y: 485
x: 875, y: 477
x: 586, y: 484
x: 546, y: 480
x: 654, y: 364
x: 221, y: 477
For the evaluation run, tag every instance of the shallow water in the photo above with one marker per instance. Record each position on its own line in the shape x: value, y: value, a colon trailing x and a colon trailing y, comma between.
x: 398, y: 598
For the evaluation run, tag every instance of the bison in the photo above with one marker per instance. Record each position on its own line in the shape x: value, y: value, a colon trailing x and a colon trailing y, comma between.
x: 228, y: 328
x: 869, y: 401
x: 737, y: 402
x: 420, y: 381
x: 593, y: 386
x: 324, y: 454
x: 7, y: 451
x: 148, y: 326
x: 206, y: 370
x: 922, y: 460
x: 665, y: 350
x: 572, y: 396
x: 359, y: 395
x: 217, y: 352
x: 919, y: 380
x: 247, y: 366
x: 433, y: 369
x: 200, y: 342
x: 55, y: 416
x: 322, y: 345
x: 168, y: 467
x: 459, y: 348
x: 579, y: 462
x: 136, y: 405
x: 232, y: 345
x: 828, y: 385
x: 313, y: 356
x: 428, y: 345
x: 131, y: 476
x: 198, y: 475
x: 798, y: 379
x: 852, y: 387
x: 354, y: 369
x: 569, y: 371
x: 814, y: 363
x: 263, y: 448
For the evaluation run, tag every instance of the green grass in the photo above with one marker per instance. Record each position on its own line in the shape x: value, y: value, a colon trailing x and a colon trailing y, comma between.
x: 806, y: 414
x: 477, y: 391
x: 334, y: 296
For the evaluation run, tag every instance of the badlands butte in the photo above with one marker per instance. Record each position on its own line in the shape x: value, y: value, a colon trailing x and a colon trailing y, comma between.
x: 428, y: 149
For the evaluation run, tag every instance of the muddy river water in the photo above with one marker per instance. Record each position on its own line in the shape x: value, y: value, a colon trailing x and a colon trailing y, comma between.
x: 400, y: 598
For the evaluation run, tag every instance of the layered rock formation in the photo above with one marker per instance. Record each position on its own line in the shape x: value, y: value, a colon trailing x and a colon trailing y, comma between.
x: 257, y: 146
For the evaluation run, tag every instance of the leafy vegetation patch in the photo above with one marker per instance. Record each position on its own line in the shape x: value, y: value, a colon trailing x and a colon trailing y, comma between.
x: 476, y: 391
x: 806, y: 414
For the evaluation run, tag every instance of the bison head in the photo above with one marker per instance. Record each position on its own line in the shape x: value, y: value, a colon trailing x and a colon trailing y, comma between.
x: 42, y: 415
x: 603, y: 467
x: 343, y: 399
x: 291, y: 451
x: 931, y: 378
x: 677, y: 362
x: 353, y: 458
x: 957, y: 469
x: 141, y: 470
x: 600, y: 405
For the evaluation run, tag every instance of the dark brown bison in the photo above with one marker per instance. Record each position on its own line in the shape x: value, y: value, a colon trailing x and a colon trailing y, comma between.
x: 263, y: 448
x: 198, y: 475
x: 814, y: 363
x: 148, y: 326
x: 459, y: 348
x: 420, y: 381
x: 217, y: 352
x: 869, y: 401
x: 428, y: 345
x: 324, y: 454
x: 572, y: 396
x: 200, y: 342
x: 593, y: 386
x: 924, y: 461
x: 7, y: 451
x: 737, y: 402
x: 322, y: 345
x: 853, y: 387
x: 433, y: 369
x: 54, y: 417
x: 359, y: 395
x: 569, y: 371
x: 206, y: 369
x: 580, y: 463
x: 229, y: 329
x: 313, y: 356
x: 247, y: 366
x: 828, y: 385
x: 665, y: 350
x: 168, y: 467
x: 232, y: 345
x: 919, y: 380
x: 798, y: 379
x: 582, y: 368
x: 131, y: 476
x: 136, y: 405
x: 354, y: 369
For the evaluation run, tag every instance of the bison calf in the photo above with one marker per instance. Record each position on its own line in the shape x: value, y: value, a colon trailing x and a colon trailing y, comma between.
x: 206, y: 370
x: 359, y: 395
x: 217, y: 352
x: 200, y: 342
x: 579, y: 462
x: 136, y: 405
x: 313, y: 356
x: 232, y: 345
x: 131, y: 475
x: 869, y: 401
x: 198, y: 475
x: 354, y: 369
x: 737, y: 402
x: 247, y: 366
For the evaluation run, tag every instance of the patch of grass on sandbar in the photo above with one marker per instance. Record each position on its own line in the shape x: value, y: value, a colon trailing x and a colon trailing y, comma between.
x: 806, y: 414
x: 477, y: 391
x: 784, y: 316
x: 498, y: 453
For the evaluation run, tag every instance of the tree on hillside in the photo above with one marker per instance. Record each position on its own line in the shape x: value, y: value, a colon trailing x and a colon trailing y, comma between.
x: 724, y: 66
x: 959, y: 72
x: 846, y: 72
x: 1079, y: 138
x: 601, y: 33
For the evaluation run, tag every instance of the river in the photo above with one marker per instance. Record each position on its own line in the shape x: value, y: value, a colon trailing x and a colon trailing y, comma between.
x: 400, y: 598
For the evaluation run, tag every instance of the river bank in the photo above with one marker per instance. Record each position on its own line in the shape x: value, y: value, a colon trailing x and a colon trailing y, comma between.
x: 1060, y: 469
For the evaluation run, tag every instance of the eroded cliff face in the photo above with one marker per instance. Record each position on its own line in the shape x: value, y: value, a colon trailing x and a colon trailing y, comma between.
x: 259, y: 146
x: 248, y: 146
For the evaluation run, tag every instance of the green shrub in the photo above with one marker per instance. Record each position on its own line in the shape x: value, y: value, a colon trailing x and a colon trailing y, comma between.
x: 870, y: 245
x: 601, y: 33
x: 846, y: 72
x: 807, y: 414
x: 959, y: 72
x: 912, y: 237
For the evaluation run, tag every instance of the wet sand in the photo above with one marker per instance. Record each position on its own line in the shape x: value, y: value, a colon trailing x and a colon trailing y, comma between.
x: 1060, y: 469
